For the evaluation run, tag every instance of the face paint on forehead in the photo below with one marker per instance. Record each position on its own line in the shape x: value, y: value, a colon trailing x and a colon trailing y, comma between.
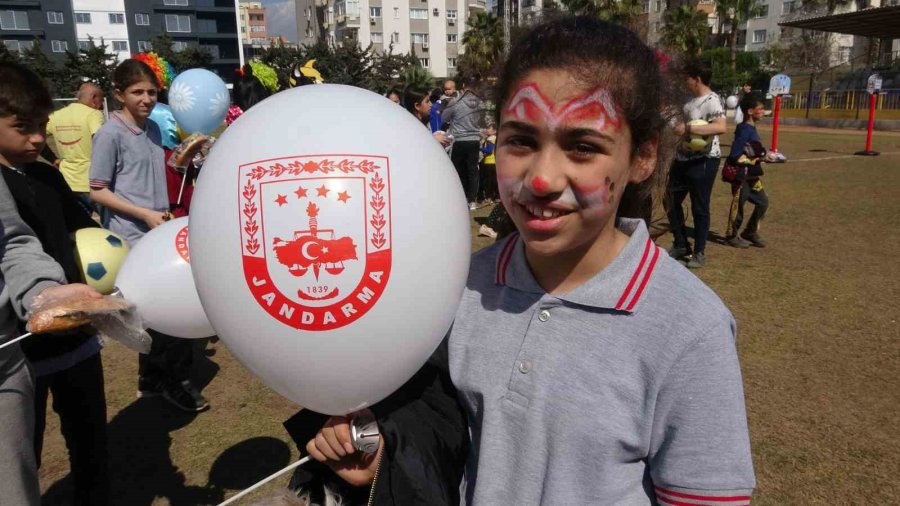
x: 595, y: 108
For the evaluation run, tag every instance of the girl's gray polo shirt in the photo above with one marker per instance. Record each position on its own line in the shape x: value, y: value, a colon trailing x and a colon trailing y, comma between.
x: 131, y: 163
x: 626, y: 390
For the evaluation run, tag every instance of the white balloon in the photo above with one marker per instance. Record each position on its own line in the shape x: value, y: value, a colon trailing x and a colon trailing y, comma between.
x: 731, y: 102
x: 331, y: 242
x: 157, y: 278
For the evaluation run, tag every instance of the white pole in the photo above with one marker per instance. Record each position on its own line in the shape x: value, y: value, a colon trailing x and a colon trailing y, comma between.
x: 235, y: 497
x: 240, y: 38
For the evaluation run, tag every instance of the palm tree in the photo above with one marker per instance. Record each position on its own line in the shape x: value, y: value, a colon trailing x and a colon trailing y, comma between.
x: 483, y: 43
x: 735, y: 13
x: 685, y: 30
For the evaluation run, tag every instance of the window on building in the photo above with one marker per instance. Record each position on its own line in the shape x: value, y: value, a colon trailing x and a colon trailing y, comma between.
x: 120, y: 45
x: 451, y: 63
x: 179, y: 45
x: 395, y: 37
x: 178, y: 23
x: 18, y: 45
x: 418, y: 14
x: 452, y: 38
x: 116, y: 18
x: 257, y: 28
x: 424, y: 62
x: 14, y: 20
x: 54, y: 17
x: 759, y: 36
x: 646, y: 8
x: 374, y: 12
x: 396, y: 12
x: 212, y: 49
x: 787, y: 7
x: 419, y: 38
x: 763, y: 11
x: 144, y: 46
x: 377, y: 38
x: 207, y: 25
x: 658, y: 5
x: 84, y: 45
x: 83, y: 18
x: 451, y: 14
x: 59, y: 46
x: 175, y: 2
x: 142, y: 19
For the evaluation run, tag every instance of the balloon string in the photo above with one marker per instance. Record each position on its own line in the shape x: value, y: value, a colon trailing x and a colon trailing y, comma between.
x: 16, y: 340
x: 183, y: 180
x: 234, y: 498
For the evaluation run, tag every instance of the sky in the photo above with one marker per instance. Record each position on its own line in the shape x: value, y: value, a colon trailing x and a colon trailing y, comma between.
x: 282, y: 20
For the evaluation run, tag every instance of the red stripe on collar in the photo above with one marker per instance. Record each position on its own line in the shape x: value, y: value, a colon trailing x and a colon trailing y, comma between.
x: 639, y: 278
x: 503, y: 259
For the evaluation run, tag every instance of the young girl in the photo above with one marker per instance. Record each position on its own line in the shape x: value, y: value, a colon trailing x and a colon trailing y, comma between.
x: 585, y: 377
x: 128, y: 178
x: 418, y: 103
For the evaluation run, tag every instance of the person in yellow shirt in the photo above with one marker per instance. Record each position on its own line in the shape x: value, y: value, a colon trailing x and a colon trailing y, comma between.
x: 73, y: 128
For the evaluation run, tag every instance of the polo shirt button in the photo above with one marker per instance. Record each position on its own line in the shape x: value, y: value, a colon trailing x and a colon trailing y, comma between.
x: 525, y: 366
x: 544, y: 315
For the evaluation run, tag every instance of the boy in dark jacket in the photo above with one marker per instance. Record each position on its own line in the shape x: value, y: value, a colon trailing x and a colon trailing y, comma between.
x: 746, y: 159
x: 68, y: 366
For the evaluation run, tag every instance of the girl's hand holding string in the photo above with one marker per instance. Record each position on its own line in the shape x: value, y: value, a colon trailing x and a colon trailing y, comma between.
x: 333, y: 445
x: 153, y: 219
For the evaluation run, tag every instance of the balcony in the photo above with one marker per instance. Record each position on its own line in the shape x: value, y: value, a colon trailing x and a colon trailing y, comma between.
x: 214, y: 6
x: 478, y: 4
x: 348, y: 21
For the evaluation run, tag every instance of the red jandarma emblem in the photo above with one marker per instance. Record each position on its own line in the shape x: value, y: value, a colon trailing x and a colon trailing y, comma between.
x: 316, y: 236
x: 181, y: 244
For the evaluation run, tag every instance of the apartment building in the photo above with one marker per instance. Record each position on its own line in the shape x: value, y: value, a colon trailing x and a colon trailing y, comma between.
x: 103, y: 21
x: 49, y: 21
x: 254, y: 26
x: 205, y: 24
x: 429, y: 29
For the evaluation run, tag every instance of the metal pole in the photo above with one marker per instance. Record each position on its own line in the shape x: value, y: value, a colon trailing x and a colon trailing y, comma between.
x: 240, y: 39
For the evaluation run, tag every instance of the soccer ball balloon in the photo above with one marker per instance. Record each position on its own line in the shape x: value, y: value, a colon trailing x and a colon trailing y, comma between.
x: 99, y: 254
x: 696, y: 143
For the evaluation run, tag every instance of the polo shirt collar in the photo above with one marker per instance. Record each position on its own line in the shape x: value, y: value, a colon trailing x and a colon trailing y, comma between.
x: 618, y: 287
x: 130, y: 126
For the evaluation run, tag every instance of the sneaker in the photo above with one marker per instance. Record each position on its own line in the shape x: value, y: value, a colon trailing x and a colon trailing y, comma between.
x: 487, y: 232
x: 737, y: 242
x: 677, y: 252
x: 473, y: 206
x: 186, y: 397
x: 754, y: 239
x: 149, y: 387
x: 697, y: 261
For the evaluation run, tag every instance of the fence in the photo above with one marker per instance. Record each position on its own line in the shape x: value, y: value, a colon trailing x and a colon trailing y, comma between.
x: 840, y: 104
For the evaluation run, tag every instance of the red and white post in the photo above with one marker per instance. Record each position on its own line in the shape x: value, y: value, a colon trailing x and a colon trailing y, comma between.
x: 873, y: 104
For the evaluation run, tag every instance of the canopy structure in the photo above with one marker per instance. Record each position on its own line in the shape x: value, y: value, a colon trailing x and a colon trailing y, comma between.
x: 878, y: 22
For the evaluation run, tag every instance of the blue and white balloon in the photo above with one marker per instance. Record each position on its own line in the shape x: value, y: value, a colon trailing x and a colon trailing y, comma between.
x: 199, y: 100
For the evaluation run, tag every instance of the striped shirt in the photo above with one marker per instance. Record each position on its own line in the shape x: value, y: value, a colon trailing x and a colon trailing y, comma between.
x: 626, y: 390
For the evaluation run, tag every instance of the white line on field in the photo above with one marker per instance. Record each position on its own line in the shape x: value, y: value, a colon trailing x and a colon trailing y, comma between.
x: 798, y: 160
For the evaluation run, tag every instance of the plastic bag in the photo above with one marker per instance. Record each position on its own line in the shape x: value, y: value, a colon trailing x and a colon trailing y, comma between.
x: 113, y: 317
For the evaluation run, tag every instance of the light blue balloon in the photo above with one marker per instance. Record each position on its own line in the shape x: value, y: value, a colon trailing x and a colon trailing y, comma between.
x: 199, y: 100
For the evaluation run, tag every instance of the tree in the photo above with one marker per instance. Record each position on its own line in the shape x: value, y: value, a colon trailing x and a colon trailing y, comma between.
x: 390, y: 68
x: 188, y: 58
x: 685, y: 30
x: 483, y: 44
x: 735, y: 13
x: 282, y: 59
x: 95, y: 64
x: 6, y: 55
x: 624, y: 12
x: 418, y: 77
x: 52, y: 73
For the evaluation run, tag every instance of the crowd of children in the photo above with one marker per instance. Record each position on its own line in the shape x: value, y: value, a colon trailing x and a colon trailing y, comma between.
x: 573, y: 373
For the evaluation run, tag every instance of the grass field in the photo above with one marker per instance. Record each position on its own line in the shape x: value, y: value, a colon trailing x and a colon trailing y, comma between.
x: 819, y: 342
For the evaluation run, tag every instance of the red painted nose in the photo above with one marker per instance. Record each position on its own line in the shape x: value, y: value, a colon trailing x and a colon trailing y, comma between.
x: 539, y: 185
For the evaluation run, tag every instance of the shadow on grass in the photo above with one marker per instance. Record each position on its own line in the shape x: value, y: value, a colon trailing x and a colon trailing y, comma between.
x: 247, y: 462
x: 140, y: 466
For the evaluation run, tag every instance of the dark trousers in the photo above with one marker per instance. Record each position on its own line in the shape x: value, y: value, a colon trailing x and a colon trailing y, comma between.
x: 487, y: 187
x: 169, y: 360
x: 80, y: 402
x: 694, y: 178
x: 753, y: 191
x: 465, y: 158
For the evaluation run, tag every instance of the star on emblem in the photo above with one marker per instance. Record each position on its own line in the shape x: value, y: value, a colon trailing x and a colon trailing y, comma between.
x: 343, y: 197
x: 322, y: 191
x: 301, y: 192
x: 281, y: 200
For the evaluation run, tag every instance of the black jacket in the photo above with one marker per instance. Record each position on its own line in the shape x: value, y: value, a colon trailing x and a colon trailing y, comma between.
x: 426, y: 442
x: 47, y: 204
